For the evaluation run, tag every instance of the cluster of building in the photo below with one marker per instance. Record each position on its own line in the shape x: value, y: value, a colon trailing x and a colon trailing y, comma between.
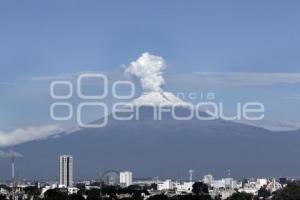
x: 223, y: 187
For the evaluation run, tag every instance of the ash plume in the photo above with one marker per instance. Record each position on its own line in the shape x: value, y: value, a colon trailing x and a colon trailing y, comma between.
x: 149, y: 69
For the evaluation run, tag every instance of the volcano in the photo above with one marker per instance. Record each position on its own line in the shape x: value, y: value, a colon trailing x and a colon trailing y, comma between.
x: 165, y: 148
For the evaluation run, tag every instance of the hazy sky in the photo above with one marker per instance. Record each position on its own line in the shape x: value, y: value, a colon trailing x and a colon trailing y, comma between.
x: 250, y: 49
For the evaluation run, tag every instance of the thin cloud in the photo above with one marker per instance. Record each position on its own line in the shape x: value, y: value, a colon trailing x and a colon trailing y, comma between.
x: 72, y: 76
x: 275, y: 125
x: 8, y: 154
x: 4, y: 83
x: 238, y: 78
x: 19, y: 136
x: 292, y: 97
x: 65, y: 76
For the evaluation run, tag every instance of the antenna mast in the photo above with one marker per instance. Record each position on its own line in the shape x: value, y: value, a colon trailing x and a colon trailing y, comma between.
x: 13, y: 179
x: 191, y: 174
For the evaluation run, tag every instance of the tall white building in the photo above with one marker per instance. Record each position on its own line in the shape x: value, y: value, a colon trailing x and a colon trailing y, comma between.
x: 125, y: 178
x: 66, y: 170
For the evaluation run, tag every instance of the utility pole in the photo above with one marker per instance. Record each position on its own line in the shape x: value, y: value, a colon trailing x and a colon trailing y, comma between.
x: 100, y: 184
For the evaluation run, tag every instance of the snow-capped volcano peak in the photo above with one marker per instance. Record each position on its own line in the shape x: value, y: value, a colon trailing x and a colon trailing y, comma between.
x: 158, y: 99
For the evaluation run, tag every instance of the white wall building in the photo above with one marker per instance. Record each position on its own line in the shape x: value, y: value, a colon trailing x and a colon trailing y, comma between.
x: 185, y: 187
x: 165, y: 185
x: 66, y: 170
x: 260, y: 182
x: 125, y: 178
x: 225, y: 183
x: 73, y: 190
x: 219, y: 184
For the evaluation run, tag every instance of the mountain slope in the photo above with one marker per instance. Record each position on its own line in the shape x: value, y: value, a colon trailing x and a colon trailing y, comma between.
x: 166, y: 148
x: 158, y: 99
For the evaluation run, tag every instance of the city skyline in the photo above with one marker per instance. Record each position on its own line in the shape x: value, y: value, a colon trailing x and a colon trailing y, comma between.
x: 80, y: 78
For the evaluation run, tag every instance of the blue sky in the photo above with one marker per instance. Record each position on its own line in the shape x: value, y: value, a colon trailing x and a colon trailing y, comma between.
x: 53, y: 38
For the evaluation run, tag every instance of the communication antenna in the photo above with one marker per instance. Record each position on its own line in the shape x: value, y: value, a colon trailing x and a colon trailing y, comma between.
x: 229, y: 173
x: 13, y: 179
x: 191, y: 171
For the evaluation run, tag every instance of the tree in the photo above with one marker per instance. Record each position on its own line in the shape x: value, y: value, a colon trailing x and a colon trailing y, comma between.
x: 241, y: 196
x: 110, y: 190
x: 153, y: 186
x: 200, y: 188
x: 218, y: 197
x: 263, y: 193
x: 137, y: 195
x: 32, y: 192
x: 55, y: 194
x: 75, y: 197
x: 290, y: 192
x: 93, y: 194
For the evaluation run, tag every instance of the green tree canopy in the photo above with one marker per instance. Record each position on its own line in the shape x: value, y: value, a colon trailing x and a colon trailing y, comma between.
x: 290, y: 192
x: 200, y: 188
x: 55, y: 194
x: 241, y: 196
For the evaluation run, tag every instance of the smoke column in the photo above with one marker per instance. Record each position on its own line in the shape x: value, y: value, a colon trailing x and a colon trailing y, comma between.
x: 149, y: 69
